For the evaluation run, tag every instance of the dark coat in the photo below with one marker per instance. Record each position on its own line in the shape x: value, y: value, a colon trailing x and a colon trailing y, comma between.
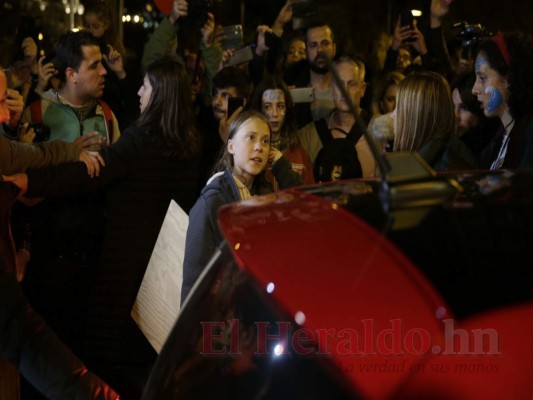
x: 520, y: 148
x: 448, y: 155
x: 40, y: 356
x: 140, y: 181
x: 17, y: 157
x: 203, y: 235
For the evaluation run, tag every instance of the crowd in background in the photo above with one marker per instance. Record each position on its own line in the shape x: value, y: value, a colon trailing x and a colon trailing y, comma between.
x: 206, y: 120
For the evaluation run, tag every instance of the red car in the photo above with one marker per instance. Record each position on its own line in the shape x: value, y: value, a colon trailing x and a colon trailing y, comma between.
x: 361, y: 290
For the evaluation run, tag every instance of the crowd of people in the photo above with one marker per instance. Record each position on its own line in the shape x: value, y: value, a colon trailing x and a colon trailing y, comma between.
x: 207, y: 128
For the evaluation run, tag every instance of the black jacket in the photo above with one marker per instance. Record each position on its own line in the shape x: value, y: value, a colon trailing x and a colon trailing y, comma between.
x: 45, y: 362
x: 140, y: 180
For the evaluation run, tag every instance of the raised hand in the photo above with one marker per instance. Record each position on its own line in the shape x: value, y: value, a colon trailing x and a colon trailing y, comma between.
x: 15, y: 105
x: 180, y: 8
x: 419, y: 42
x: 208, y: 30
x: 274, y: 155
x: 226, y: 56
x: 46, y: 71
x: 284, y: 16
x: 114, y: 62
x: 401, y: 33
x: 261, y: 43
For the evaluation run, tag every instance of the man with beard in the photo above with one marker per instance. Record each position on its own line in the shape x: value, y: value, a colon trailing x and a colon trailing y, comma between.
x: 314, y: 73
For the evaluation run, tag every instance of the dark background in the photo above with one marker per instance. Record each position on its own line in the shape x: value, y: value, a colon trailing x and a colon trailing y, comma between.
x: 357, y: 23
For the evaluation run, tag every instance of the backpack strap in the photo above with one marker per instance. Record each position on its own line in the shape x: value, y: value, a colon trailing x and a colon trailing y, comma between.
x: 355, y: 134
x: 322, y: 129
x: 36, y: 112
x: 108, y: 116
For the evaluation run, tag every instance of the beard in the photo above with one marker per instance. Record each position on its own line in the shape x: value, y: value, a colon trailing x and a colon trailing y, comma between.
x: 318, y: 69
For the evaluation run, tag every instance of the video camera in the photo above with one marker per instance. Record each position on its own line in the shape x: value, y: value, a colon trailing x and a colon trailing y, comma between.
x: 470, y: 34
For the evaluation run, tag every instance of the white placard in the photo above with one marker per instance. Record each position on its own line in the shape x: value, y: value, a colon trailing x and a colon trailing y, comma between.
x: 158, y: 302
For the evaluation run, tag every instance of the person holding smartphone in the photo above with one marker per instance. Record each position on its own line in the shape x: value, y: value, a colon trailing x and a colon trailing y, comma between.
x: 410, y: 42
x: 405, y: 39
x: 273, y: 99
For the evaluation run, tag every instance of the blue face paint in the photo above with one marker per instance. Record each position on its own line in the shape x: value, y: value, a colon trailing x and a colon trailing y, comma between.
x: 480, y: 61
x: 495, y: 99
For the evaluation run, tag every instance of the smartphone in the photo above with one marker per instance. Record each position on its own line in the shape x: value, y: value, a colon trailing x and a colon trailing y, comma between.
x: 233, y: 104
x: 406, y: 19
x: 303, y: 95
x: 234, y: 37
x: 241, y: 56
x: 49, y: 59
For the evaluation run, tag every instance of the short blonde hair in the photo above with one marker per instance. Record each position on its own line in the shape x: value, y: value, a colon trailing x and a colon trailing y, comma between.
x: 424, y: 111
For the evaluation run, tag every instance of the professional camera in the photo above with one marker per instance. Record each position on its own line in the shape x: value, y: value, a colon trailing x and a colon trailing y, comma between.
x: 470, y: 34
x: 198, y: 11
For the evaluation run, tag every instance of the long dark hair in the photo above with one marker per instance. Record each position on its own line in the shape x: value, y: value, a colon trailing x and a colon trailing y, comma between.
x: 519, y: 71
x: 169, y: 112
x: 289, y: 134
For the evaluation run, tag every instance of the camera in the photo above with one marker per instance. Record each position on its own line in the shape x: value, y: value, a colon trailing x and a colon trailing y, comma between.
x: 42, y: 132
x: 198, y: 11
x: 470, y: 34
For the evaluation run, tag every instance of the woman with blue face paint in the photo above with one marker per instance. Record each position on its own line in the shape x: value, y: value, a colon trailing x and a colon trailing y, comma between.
x: 504, y: 87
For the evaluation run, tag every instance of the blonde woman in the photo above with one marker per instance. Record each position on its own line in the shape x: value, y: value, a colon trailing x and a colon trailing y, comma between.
x: 424, y: 121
